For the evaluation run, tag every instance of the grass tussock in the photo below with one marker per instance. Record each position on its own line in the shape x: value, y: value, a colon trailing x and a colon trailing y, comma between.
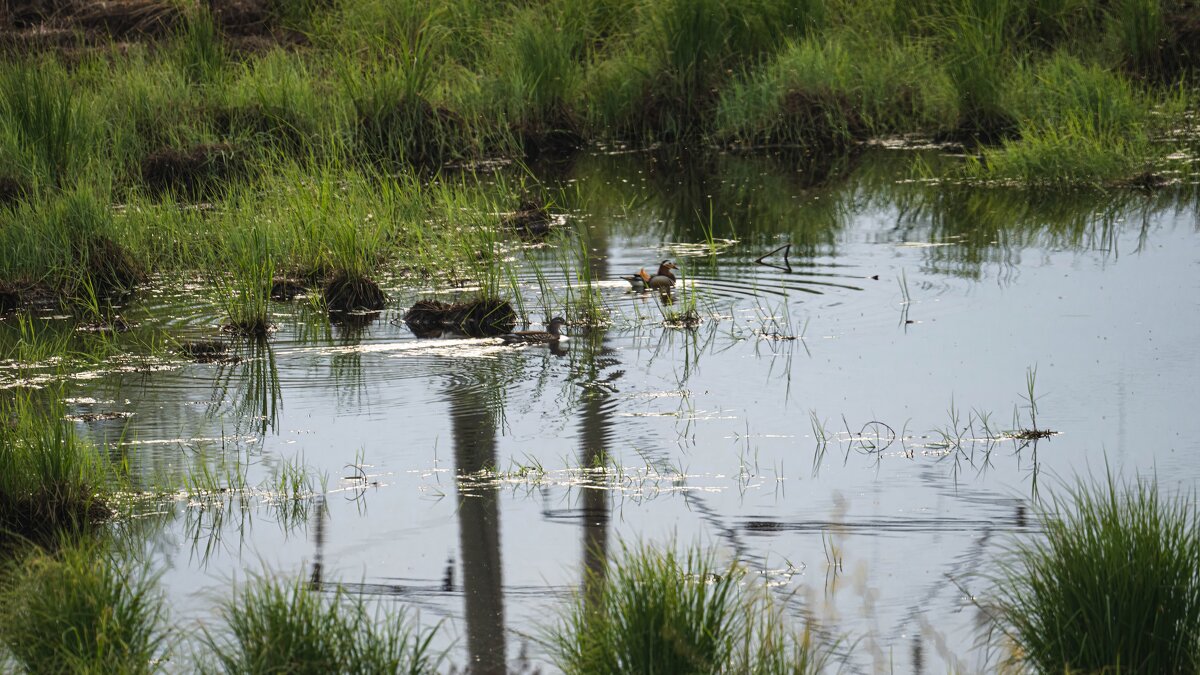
x: 1112, y: 586
x: 50, y: 479
x: 287, y: 627
x: 83, y: 609
x: 657, y: 612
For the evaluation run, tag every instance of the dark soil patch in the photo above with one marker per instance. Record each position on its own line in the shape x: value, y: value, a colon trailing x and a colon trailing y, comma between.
x: 111, y: 269
x: 208, y: 351
x: 284, y: 289
x: 122, y: 19
x: 530, y: 219
x: 346, y: 293
x: 485, y: 317
x: 14, y: 296
x: 12, y: 190
x: 823, y: 120
x: 555, y: 138
x: 50, y: 511
x: 194, y: 171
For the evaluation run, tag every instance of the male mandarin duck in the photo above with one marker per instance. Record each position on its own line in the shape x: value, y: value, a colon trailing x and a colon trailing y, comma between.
x: 552, y: 334
x: 663, y: 279
x: 638, y: 281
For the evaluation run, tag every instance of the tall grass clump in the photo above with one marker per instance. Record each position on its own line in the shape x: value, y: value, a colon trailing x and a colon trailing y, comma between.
x: 68, y: 242
x: 656, y: 612
x: 1139, y: 30
x: 976, y: 47
x: 199, y: 52
x: 242, y: 270
x: 1113, y: 585
x: 50, y: 479
x: 394, y: 121
x: 826, y: 93
x: 45, y: 129
x: 663, y: 82
x: 83, y: 609
x: 277, y: 626
x: 538, y: 57
x: 280, y: 100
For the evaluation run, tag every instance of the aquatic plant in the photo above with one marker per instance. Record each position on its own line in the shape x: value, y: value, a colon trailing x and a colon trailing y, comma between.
x: 242, y: 275
x: 652, y: 611
x: 82, y: 608
x: 277, y: 626
x: 1112, y: 585
x: 50, y: 479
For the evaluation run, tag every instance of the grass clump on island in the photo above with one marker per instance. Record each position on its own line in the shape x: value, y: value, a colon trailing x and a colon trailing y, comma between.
x: 80, y: 608
x: 51, y: 480
x: 274, y: 626
x: 1113, y: 584
x: 651, y: 611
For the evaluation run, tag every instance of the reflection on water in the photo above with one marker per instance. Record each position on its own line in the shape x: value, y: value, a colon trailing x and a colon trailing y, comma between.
x: 841, y: 423
x: 474, y: 422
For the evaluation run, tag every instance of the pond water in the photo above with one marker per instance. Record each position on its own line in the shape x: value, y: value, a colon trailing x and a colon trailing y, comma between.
x: 834, y: 423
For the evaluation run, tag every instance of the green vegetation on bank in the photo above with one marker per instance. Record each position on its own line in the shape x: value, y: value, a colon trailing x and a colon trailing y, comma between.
x: 259, y: 139
x: 1113, y: 584
x: 404, y: 82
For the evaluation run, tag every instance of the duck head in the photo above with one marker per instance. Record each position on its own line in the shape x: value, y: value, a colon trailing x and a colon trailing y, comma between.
x: 665, y: 267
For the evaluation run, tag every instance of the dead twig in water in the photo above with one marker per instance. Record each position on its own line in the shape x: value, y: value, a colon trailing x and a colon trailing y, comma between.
x: 787, y: 265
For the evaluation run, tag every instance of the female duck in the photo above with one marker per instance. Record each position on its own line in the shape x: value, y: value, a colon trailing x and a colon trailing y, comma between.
x: 552, y: 334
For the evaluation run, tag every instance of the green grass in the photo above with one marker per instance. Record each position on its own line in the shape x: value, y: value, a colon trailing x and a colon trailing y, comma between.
x: 44, y: 128
x: 50, y: 479
x: 276, y: 626
x: 1113, y: 584
x: 654, y: 611
x: 83, y: 609
x: 241, y: 275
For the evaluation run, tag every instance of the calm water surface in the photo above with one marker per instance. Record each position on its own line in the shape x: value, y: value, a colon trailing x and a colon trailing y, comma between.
x: 918, y: 309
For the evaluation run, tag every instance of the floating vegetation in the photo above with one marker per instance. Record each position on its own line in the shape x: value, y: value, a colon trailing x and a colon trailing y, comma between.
x: 207, y: 351
x: 644, y: 482
x: 686, y: 318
